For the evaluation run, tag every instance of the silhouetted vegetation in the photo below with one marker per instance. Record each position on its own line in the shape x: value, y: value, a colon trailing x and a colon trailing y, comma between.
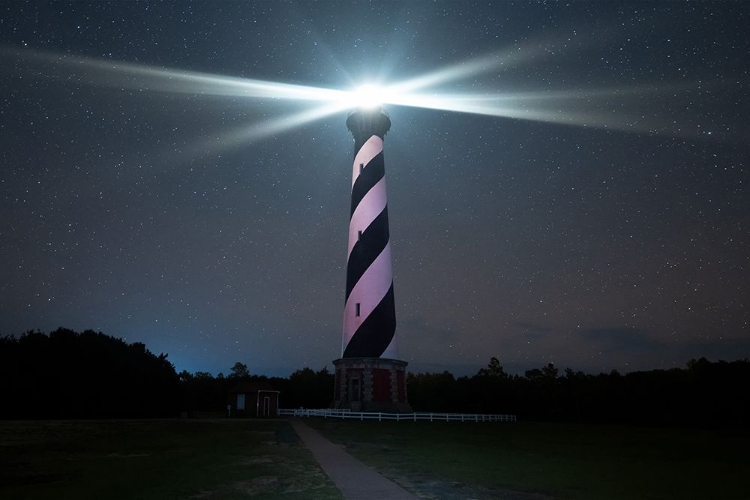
x: 74, y: 375
x: 90, y: 375
x: 305, y: 388
x: 704, y: 394
x: 66, y: 374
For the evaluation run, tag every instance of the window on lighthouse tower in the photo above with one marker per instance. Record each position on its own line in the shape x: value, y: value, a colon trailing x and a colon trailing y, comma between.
x: 356, y: 309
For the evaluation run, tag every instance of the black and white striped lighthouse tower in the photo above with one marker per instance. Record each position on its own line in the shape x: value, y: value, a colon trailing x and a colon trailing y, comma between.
x: 368, y: 375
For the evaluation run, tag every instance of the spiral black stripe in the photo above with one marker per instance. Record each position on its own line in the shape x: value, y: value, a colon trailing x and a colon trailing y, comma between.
x: 366, y: 250
x: 376, y: 332
x: 371, y: 174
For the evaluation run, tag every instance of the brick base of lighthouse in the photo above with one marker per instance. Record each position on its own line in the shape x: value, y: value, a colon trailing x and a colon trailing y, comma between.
x: 371, y: 384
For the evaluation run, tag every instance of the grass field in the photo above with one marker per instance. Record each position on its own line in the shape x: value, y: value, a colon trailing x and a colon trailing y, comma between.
x: 455, y: 460
x: 240, y: 459
x: 157, y: 459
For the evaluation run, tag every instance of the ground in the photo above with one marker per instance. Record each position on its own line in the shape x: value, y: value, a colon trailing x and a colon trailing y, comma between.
x: 250, y: 459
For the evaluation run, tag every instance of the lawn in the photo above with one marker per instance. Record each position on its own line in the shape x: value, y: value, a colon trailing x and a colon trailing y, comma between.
x: 236, y: 459
x: 157, y: 459
x: 565, y: 461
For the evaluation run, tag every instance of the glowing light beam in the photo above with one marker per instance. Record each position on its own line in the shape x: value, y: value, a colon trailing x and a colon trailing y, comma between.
x: 240, y: 136
x: 121, y: 75
x: 546, y: 106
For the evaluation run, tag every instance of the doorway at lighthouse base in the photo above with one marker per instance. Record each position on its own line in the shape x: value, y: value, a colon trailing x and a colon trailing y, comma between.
x: 370, y: 384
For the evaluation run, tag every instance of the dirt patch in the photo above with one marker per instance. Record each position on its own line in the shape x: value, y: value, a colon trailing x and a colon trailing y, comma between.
x: 300, y: 487
x: 434, y: 489
x: 251, y: 487
x: 127, y: 455
x: 305, y: 478
x: 265, y: 459
x: 262, y: 433
x: 32, y: 479
x: 203, y: 495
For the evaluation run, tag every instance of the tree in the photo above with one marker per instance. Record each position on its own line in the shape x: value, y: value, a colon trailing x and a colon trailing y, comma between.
x: 549, y: 371
x: 432, y: 391
x: 535, y: 374
x: 494, y: 369
x: 67, y: 374
x: 239, y: 370
x: 307, y: 388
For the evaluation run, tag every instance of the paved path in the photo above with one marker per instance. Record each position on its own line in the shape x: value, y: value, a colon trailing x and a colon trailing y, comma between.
x: 355, y: 480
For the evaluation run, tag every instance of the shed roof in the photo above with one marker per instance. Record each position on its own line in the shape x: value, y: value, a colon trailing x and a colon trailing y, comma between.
x: 244, y: 387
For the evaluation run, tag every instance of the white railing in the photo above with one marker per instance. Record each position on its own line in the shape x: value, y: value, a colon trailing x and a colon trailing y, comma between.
x: 380, y: 416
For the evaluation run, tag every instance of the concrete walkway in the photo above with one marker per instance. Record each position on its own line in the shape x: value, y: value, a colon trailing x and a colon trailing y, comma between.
x: 355, y: 480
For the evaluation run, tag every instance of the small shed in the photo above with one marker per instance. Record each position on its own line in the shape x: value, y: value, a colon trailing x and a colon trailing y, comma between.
x: 252, y: 399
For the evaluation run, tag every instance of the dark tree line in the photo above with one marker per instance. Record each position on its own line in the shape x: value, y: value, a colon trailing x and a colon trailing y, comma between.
x: 305, y: 388
x: 704, y: 394
x: 66, y: 374
x: 84, y: 375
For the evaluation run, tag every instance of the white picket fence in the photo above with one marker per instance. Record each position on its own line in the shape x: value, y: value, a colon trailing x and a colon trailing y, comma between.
x: 380, y: 416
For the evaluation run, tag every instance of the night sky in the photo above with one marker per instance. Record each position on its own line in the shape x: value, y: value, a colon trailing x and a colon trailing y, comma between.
x: 610, y: 231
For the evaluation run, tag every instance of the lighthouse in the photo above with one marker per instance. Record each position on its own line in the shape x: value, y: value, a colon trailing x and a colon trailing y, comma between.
x: 369, y: 377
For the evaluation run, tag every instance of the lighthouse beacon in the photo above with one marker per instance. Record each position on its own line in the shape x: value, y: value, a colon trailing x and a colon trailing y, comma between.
x: 369, y: 377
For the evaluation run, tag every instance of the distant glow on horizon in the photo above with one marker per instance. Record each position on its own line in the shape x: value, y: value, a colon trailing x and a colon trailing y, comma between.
x: 576, y: 107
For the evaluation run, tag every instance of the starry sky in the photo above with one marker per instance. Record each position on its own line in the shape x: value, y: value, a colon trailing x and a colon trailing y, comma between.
x: 604, y: 224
